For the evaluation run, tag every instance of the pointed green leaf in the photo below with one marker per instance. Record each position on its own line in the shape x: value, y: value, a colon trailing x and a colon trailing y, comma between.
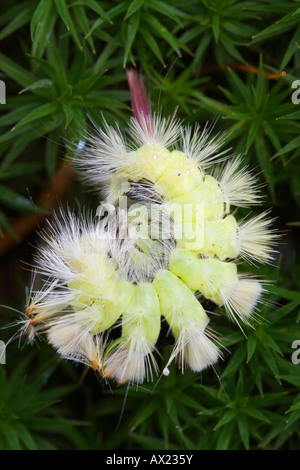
x: 17, y: 22
x: 10, y: 435
x: 69, y: 115
x: 228, y: 416
x: 134, y: 6
x: 152, y: 43
x: 283, y: 24
x: 37, y: 113
x: 252, y: 134
x: 43, y: 31
x: 44, y: 83
x: 41, y: 11
x: 83, y: 21
x: 98, y: 9
x: 25, y: 436
x: 251, y: 346
x: 291, y: 49
x: 63, y: 12
x: 15, y: 71
x: 131, y: 33
x: 15, y: 200
x: 243, y: 429
x: 216, y: 27
x: 168, y: 10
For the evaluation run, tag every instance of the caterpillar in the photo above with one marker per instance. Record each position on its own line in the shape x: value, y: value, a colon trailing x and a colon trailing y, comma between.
x: 150, y: 260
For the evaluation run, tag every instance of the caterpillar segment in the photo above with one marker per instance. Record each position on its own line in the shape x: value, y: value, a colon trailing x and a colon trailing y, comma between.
x: 226, y: 238
x: 176, y: 179
x: 219, y: 282
x: 98, y: 314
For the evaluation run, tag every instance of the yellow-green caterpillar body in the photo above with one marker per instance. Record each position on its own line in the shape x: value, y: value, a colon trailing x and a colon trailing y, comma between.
x: 173, y: 244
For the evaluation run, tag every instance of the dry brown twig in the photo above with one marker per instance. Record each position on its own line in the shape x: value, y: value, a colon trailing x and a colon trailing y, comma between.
x: 49, y: 198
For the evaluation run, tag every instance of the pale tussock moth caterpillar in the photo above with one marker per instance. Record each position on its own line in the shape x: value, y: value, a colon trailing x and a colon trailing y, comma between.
x: 99, y: 281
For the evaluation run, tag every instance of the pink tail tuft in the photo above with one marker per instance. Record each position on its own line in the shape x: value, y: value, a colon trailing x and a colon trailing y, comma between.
x: 139, y: 101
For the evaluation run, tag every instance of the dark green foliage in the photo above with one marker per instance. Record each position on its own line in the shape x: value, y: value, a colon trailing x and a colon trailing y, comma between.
x: 27, y: 416
x: 63, y: 63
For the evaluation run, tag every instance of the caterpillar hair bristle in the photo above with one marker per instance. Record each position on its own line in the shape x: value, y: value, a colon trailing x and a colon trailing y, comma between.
x: 155, y: 130
x: 74, y: 342
x: 194, y: 349
x: 256, y: 239
x: 200, y: 147
x: 238, y: 185
x: 241, y: 299
x: 131, y: 361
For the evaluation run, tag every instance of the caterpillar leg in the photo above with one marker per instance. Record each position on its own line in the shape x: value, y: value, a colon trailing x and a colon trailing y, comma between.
x: 188, y: 322
x: 132, y: 360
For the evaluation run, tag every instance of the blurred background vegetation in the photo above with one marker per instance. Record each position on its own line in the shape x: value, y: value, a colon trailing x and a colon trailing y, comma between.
x: 64, y: 65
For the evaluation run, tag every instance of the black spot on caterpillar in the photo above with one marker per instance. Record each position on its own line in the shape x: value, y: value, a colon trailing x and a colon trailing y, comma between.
x: 209, y: 306
x: 165, y: 337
